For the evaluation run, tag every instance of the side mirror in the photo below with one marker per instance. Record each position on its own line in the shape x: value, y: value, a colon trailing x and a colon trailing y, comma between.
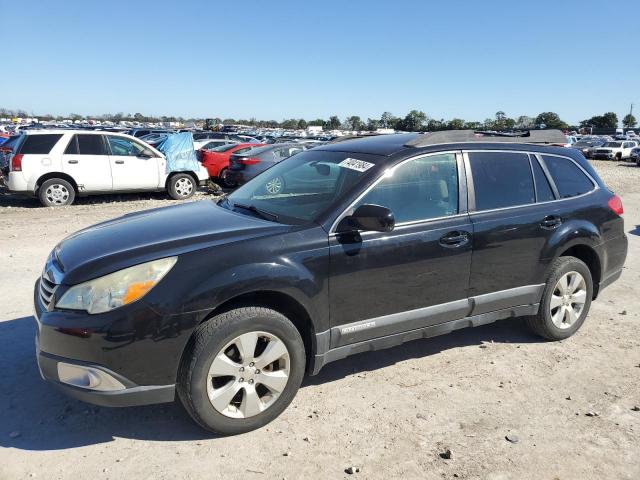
x: 146, y: 153
x: 369, y: 218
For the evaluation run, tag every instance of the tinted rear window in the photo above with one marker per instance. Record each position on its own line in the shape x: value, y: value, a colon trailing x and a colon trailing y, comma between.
x: 501, y: 179
x: 91, y: 145
x: 39, y: 144
x: 569, y: 179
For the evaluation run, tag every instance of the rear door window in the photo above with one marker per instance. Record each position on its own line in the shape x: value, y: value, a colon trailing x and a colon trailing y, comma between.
x: 543, y: 189
x: 570, y: 180
x: 39, y: 144
x: 501, y: 179
x: 91, y: 145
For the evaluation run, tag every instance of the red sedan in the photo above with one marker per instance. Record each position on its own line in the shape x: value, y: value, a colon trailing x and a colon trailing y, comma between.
x: 216, y: 160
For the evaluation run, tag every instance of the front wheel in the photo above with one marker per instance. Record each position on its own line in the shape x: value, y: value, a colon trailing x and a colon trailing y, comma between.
x: 566, y: 300
x: 241, y: 369
x: 181, y: 186
x: 227, y: 179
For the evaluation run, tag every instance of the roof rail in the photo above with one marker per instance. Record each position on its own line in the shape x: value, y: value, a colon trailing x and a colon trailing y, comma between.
x: 473, y: 136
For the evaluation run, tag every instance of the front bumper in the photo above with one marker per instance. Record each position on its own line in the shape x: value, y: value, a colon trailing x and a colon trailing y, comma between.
x: 136, y: 349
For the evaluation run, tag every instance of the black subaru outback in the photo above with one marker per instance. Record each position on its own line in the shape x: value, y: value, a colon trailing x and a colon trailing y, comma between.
x: 368, y: 244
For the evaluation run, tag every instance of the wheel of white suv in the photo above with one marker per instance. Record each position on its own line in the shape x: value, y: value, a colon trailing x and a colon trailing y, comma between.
x: 56, y: 192
x: 565, y: 301
x: 181, y: 186
x: 241, y: 369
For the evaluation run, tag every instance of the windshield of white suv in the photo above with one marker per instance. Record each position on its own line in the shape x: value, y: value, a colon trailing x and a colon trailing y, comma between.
x: 299, y: 189
x: 613, y: 144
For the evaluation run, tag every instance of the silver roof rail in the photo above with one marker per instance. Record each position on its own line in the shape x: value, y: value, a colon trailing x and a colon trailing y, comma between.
x: 474, y: 136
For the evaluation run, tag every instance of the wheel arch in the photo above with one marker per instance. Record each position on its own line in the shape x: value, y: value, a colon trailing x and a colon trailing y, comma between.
x: 60, y: 175
x: 590, y: 257
x: 188, y: 172
x: 282, y: 303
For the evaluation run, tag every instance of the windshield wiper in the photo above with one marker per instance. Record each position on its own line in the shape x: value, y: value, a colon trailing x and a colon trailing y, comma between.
x: 261, y: 213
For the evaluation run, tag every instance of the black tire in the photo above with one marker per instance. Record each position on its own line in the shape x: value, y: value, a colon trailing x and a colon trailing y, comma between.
x: 225, y: 180
x: 181, y: 186
x: 205, y: 344
x: 56, y: 192
x: 542, y: 323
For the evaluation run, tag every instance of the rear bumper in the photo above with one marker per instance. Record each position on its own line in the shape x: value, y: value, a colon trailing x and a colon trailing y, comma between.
x: 15, y: 182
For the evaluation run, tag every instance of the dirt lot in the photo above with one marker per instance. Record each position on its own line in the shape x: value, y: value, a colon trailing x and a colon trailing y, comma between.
x: 390, y: 413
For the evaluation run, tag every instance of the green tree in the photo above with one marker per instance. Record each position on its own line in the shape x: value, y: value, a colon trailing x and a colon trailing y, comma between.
x: 473, y: 125
x: 551, y: 120
x: 608, y: 120
x: 455, y: 124
x: 372, y: 124
x: 387, y: 120
x: 524, y: 121
x: 302, y: 123
x: 629, y: 121
x: 333, y: 123
x: 318, y: 122
x: 414, y: 121
x: 354, y: 122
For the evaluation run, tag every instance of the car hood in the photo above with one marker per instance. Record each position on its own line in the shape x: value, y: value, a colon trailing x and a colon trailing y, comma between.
x: 152, y: 234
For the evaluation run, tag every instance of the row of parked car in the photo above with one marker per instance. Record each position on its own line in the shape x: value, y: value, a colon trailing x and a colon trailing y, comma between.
x: 59, y: 165
x: 606, y: 148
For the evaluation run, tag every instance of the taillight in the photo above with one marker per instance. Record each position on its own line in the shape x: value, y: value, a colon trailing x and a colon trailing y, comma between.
x: 615, y: 204
x: 248, y: 161
x: 16, y: 162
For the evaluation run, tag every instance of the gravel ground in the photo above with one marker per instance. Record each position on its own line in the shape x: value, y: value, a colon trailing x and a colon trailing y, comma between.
x: 569, y: 408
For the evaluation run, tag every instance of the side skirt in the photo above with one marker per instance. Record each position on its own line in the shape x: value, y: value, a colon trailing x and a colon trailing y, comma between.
x: 389, y: 341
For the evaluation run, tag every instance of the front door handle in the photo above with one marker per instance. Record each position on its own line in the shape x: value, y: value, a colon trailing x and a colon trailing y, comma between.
x: 550, y: 222
x: 454, y: 239
x: 73, y: 161
x: 119, y: 161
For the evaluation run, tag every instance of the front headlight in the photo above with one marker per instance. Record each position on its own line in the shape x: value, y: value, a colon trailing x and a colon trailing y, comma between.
x: 116, y: 289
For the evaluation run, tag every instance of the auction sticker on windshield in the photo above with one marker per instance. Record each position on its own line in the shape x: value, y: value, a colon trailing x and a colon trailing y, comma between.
x: 358, y: 165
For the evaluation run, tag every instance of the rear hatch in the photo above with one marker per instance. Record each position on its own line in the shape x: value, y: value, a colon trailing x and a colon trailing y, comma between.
x: 7, y: 150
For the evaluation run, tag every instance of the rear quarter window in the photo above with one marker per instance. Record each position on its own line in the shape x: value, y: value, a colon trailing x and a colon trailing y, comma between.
x: 39, y: 144
x: 570, y: 180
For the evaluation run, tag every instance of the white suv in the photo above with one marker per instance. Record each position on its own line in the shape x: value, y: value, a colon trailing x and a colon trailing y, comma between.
x: 57, y: 165
x: 616, y: 150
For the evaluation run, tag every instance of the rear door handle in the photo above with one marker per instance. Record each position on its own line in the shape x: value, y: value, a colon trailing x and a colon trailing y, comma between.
x: 72, y: 161
x: 550, y: 222
x: 454, y: 239
x: 119, y: 161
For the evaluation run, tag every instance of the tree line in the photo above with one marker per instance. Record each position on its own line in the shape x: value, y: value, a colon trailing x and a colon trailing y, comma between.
x: 414, y: 121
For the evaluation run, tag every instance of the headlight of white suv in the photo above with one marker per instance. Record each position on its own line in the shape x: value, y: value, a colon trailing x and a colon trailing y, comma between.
x: 116, y: 289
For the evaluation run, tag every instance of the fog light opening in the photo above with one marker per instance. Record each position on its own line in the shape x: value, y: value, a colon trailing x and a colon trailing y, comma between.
x: 89, y: 378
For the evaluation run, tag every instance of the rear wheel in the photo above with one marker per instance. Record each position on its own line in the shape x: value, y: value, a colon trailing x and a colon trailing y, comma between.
x: 226, y: 179
x: 56, y: 192
x: 566, y: 300
x: 181, y: 186
x: 241, y: 369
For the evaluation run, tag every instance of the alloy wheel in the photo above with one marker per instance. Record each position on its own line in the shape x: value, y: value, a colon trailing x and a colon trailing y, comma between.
x: 568, y: 299
x: 248, y: 374
x: 184, y: 187
x: 57, y: 194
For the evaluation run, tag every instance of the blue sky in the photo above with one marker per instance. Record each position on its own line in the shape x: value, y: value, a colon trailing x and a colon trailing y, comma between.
x: 283, y: 59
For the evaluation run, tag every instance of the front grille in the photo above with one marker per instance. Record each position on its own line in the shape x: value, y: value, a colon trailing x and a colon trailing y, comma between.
x: 47, y: 291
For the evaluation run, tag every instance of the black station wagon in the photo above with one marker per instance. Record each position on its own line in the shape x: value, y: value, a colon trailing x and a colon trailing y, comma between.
x: 368, y: 243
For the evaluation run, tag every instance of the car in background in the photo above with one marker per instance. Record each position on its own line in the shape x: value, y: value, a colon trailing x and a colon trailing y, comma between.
x: 216, y: 160
x: 58, y: 165
x: 635, y: 156
x: 141, y: 132
x: 585, y: 146
x: 155, y: 139
x: 616, y: 150
x: 243, y: 167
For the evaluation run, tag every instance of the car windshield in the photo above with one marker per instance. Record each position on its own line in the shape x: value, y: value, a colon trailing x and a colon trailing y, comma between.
x: 222, y: 148
x: 613, y: 144
x: 303, y: 187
